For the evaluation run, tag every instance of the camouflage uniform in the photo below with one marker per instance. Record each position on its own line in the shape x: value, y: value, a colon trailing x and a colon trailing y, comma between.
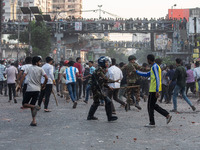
x: 102, y: 81
x: 133, y: 80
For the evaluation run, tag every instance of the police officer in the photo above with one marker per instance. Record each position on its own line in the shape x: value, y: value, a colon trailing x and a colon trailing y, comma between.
x: 133, y: 80
x: 97, y: 82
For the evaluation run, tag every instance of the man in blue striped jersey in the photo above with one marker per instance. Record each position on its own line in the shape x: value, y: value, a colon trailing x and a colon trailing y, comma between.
x: 70, y: 75
x: 155, y: 88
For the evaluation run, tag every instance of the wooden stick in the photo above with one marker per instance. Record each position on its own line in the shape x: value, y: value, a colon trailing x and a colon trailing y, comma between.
x: 54, y: 97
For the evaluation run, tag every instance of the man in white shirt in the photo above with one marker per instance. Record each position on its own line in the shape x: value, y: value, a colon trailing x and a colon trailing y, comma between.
x: 114, y: 73
x: 28, y: 62
x: 197, y: 76
x: 33, y: 76
x: 11, y: 73
x: 48, y: 68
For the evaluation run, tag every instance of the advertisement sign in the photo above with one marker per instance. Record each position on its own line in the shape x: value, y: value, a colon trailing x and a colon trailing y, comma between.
x: 78, y: 26
x: 99, y: 51
x: 191, y: 25
x: 179, y: 13
x: 162, y: 42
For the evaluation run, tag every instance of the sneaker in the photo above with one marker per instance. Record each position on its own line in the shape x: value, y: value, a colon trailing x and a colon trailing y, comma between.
x: 85, y: 102
x: 92, y: 118
x: 150, y: 125
x: 113, y: 118
x: 15, y: 101
x: 173, y: 110
x: 74, y: 106
x: 169, y: 119
x: 138, y: 106
x: 193, y: 108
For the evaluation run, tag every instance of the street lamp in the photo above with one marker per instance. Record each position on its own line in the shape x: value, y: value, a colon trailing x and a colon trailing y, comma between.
x: 30, y: 11
x: 100, y: 11
x: 172, y: 10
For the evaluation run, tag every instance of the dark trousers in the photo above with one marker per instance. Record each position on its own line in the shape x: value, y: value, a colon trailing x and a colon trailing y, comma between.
x: 45, y: 93
x: 24, y: 91
x: 153, y: 106
x: 57, y: 86
x: 11, y: 90
x: 114, y: 94
x: 79, y: 84
x: 164, y: 93
x: 170, y: 91
x: 191, y: 86
x: 84, y: 87
x: 3, y: 84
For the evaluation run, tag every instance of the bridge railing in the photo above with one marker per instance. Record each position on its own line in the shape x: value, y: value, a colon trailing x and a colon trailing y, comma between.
x: 98, y: 26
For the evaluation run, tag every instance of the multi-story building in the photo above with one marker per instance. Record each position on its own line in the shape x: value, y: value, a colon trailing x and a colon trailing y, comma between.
x: 12, y: 8
x: 67, y: 8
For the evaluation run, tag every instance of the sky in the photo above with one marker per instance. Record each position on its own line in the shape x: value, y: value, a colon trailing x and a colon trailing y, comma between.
x: 136, y: 8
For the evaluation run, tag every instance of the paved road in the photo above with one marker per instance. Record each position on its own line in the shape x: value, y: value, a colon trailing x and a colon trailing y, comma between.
x: 68, y: 129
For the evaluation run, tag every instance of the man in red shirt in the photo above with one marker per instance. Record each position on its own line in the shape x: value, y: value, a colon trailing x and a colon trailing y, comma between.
x: 79, y: 82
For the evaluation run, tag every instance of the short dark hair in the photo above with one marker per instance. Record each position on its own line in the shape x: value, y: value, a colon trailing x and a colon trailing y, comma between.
x: 151, y: 57
x: 78, y: 58
x: 171, y: 67
x: 178, y: 61
x: 144, y: 65
x: 48, y: 59
x: 35, y: 60
x: 91, y: 62
x: 188, y: 66
x: 28, y: 60
x: 113, y: 61
x: 197, y: 64
x: 71, y: 63
x: 121, y: 64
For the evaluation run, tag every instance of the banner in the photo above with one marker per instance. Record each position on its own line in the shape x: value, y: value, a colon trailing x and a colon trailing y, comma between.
x: 191, y: 25
x: 78, y: 26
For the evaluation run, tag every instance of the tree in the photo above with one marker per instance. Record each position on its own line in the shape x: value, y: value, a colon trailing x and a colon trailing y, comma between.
x: 40, y: 38
x: 141, y: 55
x: 118, y: 54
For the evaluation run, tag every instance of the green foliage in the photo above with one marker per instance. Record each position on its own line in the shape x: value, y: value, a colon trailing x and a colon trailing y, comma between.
x: 40, y: 38
x: 141, y: 55
x: 117, y: 54
x: 168, y: 60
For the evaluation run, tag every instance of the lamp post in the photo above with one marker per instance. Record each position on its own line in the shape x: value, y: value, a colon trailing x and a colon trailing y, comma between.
x: 100, y: 6
x: 172, y: 10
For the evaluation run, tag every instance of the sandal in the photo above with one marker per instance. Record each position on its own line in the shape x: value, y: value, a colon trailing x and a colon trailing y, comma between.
x: 46, y: 110
x: 33, y: 124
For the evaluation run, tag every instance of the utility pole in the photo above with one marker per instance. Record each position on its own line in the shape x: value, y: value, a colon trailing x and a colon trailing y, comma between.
x: 195, y: 31
x: 1, y: 11
x: 100, y: 11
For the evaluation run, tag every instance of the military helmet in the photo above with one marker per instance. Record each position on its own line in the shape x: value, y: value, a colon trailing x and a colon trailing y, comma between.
x: 102, y: 61
x: 131, y: 57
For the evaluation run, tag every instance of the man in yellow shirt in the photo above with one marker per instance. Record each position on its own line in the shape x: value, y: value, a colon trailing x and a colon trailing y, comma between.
x: 155, y: 88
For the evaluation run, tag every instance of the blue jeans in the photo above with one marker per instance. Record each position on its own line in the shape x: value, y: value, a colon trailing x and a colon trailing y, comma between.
x: 178, y: 89
x: 87, y: 92
x: 72, y: 90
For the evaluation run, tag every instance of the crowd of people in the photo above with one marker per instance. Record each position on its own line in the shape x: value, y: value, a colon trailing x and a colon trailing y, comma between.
x: 103, y: 81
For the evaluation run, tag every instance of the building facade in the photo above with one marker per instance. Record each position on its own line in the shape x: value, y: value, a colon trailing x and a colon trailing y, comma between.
x: 12, y: 8
x: 66, y: 8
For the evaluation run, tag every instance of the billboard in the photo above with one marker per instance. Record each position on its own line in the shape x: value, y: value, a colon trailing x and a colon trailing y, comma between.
x: 179, y: 13
x: 162, y: 42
